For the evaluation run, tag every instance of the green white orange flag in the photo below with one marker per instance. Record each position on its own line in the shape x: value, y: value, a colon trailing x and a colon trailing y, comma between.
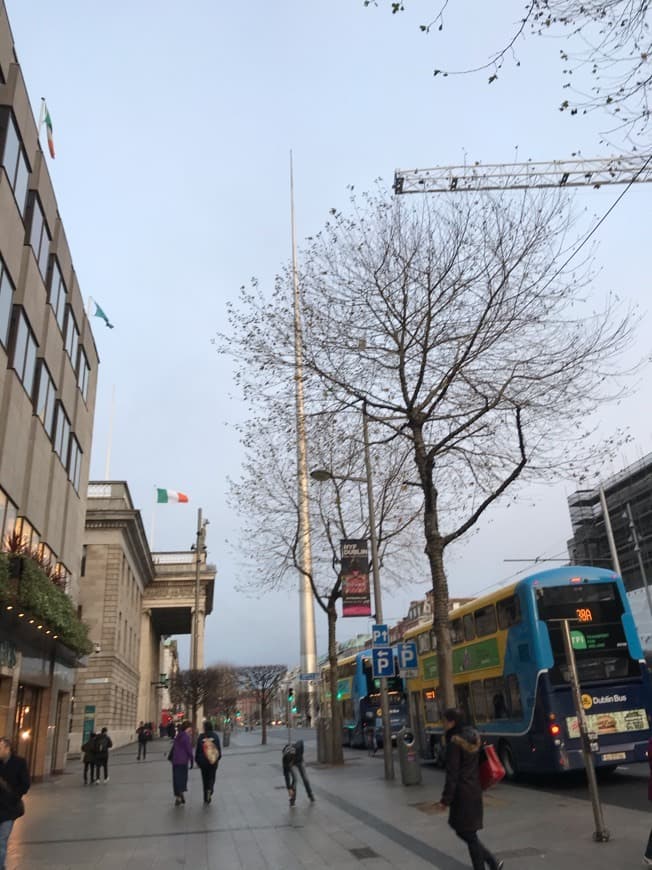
x: 47, y: 120
x: 164, y: 496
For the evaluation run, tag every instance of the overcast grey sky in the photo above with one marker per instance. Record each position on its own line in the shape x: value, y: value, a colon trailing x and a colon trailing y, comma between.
x: 172, y: 126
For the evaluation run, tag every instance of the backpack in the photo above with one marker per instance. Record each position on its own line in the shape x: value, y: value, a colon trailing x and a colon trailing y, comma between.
x: 210, y: 750
x: 289, y: 755
x: 101, y: 744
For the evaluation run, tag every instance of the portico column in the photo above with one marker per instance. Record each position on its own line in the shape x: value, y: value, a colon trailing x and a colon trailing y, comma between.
x: 145, y: 666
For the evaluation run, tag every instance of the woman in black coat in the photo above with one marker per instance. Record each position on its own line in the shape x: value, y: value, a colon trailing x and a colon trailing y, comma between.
x: 462, y: 792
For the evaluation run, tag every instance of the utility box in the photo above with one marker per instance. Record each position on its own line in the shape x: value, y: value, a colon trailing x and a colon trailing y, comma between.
x: 408, y: 757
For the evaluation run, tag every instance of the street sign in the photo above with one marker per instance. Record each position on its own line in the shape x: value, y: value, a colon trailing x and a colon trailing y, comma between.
x: 382, y: 660
x: 407, y: 659
x: 379, y: 635
x: 308, y: 677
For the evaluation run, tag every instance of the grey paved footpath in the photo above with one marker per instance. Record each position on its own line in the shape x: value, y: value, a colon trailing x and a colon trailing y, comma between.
x: 358, y: 820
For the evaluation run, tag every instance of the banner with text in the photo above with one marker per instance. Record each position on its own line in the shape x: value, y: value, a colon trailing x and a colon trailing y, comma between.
x: 354, y: 571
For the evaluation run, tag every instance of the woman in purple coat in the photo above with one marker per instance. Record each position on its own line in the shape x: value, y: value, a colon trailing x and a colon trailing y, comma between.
x: 181, y: 756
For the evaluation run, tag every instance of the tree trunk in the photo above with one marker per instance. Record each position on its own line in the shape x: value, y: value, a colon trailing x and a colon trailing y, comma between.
x: 263, y: 718
x: 435, y: 554
x: 336, y: 755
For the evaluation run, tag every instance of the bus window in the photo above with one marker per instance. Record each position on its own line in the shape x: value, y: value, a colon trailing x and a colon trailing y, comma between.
x: 457, y: 631
x: 462, y: 701
x: 423, y: 642
x: 469, y: 627
x: 478, y: 701
x: 514, y: 697
x: 509, y: 611
x: 485, y: 620
x: 431, y: 705
x: 495, y: 693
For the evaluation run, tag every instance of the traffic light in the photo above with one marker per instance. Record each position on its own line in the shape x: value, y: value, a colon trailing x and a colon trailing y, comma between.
x: 291, y: 701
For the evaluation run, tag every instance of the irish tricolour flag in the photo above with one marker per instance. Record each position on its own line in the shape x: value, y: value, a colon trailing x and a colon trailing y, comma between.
x: 163, y: 496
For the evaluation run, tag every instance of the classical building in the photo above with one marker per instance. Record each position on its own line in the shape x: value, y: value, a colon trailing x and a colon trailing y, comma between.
x: 133, y: 601
x: 48, y: 374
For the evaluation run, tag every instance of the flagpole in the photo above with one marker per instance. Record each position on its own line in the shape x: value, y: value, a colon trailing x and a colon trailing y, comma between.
x: 89, y: 307
x: 41, y: 117
x: 151, y: 531
x: 109, y: 443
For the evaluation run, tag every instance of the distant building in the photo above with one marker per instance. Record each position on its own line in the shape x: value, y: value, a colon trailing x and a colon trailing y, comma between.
x: 629, y: 502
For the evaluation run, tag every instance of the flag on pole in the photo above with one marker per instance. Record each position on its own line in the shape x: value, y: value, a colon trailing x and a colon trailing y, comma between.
x: 47, y: 120
x: 164, y: 496
x: 99, y: 313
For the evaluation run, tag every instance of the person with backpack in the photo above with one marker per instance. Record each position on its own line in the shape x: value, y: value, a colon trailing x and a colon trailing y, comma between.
x: 89, y: 758
x: 181, y: 756
x: 207, y: 755
x: 101, y: 747
x: 462, y: 794
x: 292, y: 758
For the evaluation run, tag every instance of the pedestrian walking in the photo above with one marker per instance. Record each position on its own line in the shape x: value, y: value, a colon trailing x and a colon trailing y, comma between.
x: 181, y: 756
x: 293, y: 758
x: 143, y: 737
x: 647, y: 858
x: 89, y: 758
x: 207, y: 755
x: 14, y: 783
x: 462, y: 793
x: 101, y: 746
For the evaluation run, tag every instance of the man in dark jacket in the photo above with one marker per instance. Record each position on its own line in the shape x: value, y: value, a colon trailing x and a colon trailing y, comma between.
x: 462, y: 791
x: 89, y: 758
x: 14, y: 783
x: 207, y: 756
x: 102, y: 745
x: 293, y: 757
x: 142, y: 734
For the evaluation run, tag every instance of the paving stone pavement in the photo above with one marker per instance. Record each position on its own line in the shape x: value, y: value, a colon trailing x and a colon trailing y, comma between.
x: 358, y: 820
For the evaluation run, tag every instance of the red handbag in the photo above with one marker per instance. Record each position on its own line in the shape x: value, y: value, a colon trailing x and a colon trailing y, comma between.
x: 491, y: 767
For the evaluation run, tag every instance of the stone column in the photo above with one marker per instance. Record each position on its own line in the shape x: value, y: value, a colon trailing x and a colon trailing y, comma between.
x: 145, y: 666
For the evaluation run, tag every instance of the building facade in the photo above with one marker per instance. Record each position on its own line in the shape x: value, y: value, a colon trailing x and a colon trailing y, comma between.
x: 133, y: 602
x: 48, y: 375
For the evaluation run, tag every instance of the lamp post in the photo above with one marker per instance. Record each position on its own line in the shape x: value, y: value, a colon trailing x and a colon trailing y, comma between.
x: 200, y: 546
x: 324, y: 474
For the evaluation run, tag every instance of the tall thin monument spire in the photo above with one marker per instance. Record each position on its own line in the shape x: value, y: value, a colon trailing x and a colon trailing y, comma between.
x: 308, y: 650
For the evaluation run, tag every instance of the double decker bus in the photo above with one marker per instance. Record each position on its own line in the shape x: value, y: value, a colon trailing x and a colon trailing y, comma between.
x: 512, y: 679
x: 358, y: 696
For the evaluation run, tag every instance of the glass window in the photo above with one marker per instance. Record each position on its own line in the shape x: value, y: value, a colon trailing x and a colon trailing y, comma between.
x: 58, y: 292
x: 496, y: 698
x: 469, y: 627
x: 39, y: 235
x: 74, y: 465
x: 3, y: 511
x: 83, y: 372
x: 6, y: 302
x: 485, y: 620
x: 24, y: 356
x: 423, y: 642
x: 14, y: 161
x: 11, y: 514
x: 514, y: 697
x: 478, y: 701
x: 28, y: 535
x: 62, y: 434
x: 457, y: 631
x: 431, y: 705
x: 72, y: 337
x: 46, y: 401
x: 509, y: 611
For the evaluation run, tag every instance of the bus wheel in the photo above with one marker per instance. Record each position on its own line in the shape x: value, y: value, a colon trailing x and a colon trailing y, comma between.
x: 507, y: 758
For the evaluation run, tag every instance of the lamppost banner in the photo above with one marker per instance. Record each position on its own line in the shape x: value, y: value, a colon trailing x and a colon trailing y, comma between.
x: 356, y: 600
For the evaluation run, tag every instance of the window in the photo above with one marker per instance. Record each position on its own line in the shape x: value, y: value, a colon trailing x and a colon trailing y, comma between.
x: 28, y: 535
x: 423, y: 642
x: 62, y: 434
x: 45, y: 554
x: 457, y: 631
x: 72, y: 337
x: 46, y: 399
x: 431, y: 705
x: 514, y: 697
x: 469, y: 627
x: 6, y: 302
x: 478, y: 701
x: 74, y: 465
x: 83, y: 372
x: 485, y: 620
x: 509, y: 611
x: 39, y: 234
x: 13, y: 159
x: 58, y: 292
x: 24, y: 356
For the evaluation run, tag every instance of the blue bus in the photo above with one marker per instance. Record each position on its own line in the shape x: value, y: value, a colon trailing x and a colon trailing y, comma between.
x: 512, y: 680
x: 358, y: 694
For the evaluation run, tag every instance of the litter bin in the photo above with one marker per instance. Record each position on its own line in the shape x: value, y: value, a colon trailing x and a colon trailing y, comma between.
x: 408, y: 759
x: 324, y: 750
x: 226, y: 738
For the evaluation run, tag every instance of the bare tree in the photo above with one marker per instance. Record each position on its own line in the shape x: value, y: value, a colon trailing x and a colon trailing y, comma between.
x: 222, y: 697
x: 191, y: 688
x: 608, y: 42
x: 262, y: 681
x: 469, y: 344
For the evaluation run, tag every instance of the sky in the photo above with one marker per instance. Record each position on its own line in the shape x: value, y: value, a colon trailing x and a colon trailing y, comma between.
x: 173, y: 126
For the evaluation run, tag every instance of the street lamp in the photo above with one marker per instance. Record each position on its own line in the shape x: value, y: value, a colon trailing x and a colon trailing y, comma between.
x: 322, y: 474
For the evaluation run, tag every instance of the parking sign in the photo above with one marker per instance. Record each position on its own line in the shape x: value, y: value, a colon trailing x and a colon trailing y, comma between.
x: 379, y: 635
x: 407, y: 659
x: 382, y: 660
